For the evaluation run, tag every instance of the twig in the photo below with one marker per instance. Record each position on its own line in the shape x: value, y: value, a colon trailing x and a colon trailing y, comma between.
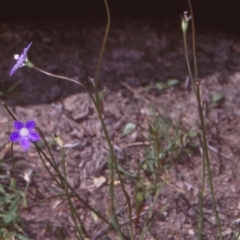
x: 213, y: 149
x: 135, y: 144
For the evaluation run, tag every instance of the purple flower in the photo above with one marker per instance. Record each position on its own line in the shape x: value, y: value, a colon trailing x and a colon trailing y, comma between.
x: 25, y: 134
x: 21, y: 60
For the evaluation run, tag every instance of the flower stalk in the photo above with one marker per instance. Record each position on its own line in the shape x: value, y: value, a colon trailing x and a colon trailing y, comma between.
x: 196, y: 86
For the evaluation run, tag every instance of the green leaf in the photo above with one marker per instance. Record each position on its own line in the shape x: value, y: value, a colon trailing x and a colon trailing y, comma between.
x: 139, y: 197
x: 129, y: 128
x: 42, y: 144
x: 216, y: 97
x: 21, y: 237
x: 148, y: 88
x: 13, y: 87
x: 100, y: 95
x: 192, y: 134
x: 145, y: 166
x: 12, y: 213
x: 171, y: 82
x: 2, y: 189
x: 161, y: 85
x: 162, y: 155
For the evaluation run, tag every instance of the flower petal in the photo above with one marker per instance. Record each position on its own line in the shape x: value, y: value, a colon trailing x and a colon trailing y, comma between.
x: 18, y: 125
x: 34, y: 136
x: 21, y: 60
x: 15, y: 67
x: 25, y: 143
x: 30, y: 125
x: 14, y: 136
x: 26, y: 50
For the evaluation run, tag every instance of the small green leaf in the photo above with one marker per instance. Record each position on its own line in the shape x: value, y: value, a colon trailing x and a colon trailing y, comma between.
x: 129, y: 128
x: 21, y: 237
x: 192, y: 134
x: 2, y: 189
x: 216, y: 97
x: 139, y: 197
x: 171, y: 82
x: 162, y: 155
x: 145, y: 166
x: 148, y: 88
x: 13, y: 87
x: 42, y: 144
x: 12, y: 213
x: 100, y: 95
x: 161, y: 85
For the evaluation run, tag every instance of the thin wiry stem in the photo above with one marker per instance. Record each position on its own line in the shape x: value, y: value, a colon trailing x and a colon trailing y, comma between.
x: 96, y: 102
x: 73, y: 211
x: 13, y: 180
x: 61, y: 181
x: 113, y: 162
x: 52, y: 162
x: 97, y: 106
x: 116, y: 225
x: 103, y: 45
x: 200, y: 219
x: 58, y: 76
x: 196, y: 86
x: 201, y: 193
x: 41, y: 153
x: 193, y: 41
x: 9, y: 112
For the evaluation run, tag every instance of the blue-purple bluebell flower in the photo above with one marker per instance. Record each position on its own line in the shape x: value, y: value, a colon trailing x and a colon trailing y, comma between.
x: 25, y: 134
x: 22, y: 60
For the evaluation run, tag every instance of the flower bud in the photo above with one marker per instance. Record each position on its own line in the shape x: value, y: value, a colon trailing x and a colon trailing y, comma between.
x: 185, y: 20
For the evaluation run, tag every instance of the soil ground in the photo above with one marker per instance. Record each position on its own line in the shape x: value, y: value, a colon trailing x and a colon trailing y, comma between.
x: 138, y: 55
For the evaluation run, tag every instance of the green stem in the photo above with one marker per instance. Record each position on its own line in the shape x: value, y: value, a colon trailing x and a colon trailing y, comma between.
x: 96, y: 102
x: 193, y: 41
x: 41, y: 153
x: 112, y: 155
x: 53, y: 164
x: 157, y: 153
x: 13, y: 179
x: 150, y: 211
x: 58, y: 76
x: 196, y: 86
x: 200, y: 217
x: 209, y: 172
x: 187, y: 60
x: 9, y: 112
x: 104, y: 129
x: 112, y: 164
x: 103, y: 47
x: 70, y: 203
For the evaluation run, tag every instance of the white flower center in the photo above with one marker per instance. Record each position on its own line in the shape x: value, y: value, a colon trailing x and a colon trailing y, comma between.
x: 16, y: 56
x: 24, y: 132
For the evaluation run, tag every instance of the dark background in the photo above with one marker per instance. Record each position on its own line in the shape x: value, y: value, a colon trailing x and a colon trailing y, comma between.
x: 220, y: 14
